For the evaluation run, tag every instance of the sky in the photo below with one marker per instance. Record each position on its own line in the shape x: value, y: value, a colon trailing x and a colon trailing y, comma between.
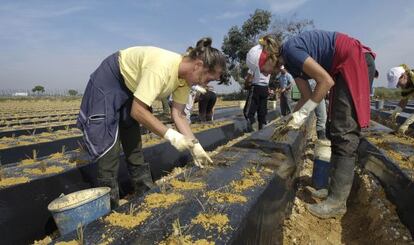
x: 58, y: 44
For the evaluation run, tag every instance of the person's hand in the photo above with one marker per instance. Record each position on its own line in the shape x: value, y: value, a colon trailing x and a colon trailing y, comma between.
x: 404, y: 127
x: 200, y: 157
x: 299, y: 117
x: 179, y: 141
x: 395, y: 113
x: 294, y: 120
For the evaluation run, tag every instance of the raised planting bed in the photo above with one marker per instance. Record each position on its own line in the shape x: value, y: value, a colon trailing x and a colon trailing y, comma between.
x: 25, y: 204
x: 24, y: 149
x: 384, y: 117
x: 37, y: 129
x: 390, y: 159
x: 6, y: 124
x: 39, y: 115
x: 242, y: 200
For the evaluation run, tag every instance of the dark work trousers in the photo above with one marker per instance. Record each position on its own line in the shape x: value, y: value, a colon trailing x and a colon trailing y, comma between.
x: 256, y: 102
x: 206, y: 104
x: 108, y: 165
x: 285, y: 103
x: 344, y: 128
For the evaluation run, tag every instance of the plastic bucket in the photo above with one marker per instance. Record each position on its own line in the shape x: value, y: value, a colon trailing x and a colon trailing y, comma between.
x: 320, y: 174
x: 379, y: 104
x: 81, y: 207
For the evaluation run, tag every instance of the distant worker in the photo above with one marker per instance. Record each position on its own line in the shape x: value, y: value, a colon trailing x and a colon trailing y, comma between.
x: 285, y: 84
x: 402, y: 77
x: 206, y: 104
x: 195, y: 92
x: 258, y: 77
x: 117, y: 100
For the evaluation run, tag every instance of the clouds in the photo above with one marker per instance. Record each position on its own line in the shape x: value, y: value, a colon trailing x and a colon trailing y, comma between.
x: 62, y: 42
x: 230, y: 15
x: 282, y: 6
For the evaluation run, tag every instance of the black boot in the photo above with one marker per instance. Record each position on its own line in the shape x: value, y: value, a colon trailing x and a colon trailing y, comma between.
x: 340, y: 186
x: 141, y: 178
x: 114, y: 194
x: 317, y: 193
x: 321, y: 134
x: 249, y: 127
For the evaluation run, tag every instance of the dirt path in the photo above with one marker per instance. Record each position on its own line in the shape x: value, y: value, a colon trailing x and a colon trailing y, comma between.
x: 371, y: 218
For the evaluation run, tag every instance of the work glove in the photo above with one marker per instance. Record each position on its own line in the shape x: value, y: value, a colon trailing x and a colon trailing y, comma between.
x: 299, y: 117
x: 404, y: 127
x: 295, y: 120
x: 395, y: 113
x: 179, y: 141
x: 200, y: 157
x: 200, y: 89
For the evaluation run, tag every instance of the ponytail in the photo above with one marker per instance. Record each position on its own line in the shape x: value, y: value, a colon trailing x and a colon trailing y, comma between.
x: 210, y: 56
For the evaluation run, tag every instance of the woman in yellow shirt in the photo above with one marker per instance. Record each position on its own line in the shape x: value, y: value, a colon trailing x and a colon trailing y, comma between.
x: 118, y: 97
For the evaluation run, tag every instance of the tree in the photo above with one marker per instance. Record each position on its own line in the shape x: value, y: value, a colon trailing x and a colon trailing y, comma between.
x: 238, y: 41
x: 72, y: 92
x: 38, y: 89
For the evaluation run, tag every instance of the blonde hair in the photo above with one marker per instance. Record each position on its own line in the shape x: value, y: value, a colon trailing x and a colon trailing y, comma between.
x: 271, y: 46
x: 409, y: 72
x: 210, y: 56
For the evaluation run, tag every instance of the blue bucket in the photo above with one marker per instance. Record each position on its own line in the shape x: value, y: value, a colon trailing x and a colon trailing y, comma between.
x: 81, y: 207
x: 320, y: 174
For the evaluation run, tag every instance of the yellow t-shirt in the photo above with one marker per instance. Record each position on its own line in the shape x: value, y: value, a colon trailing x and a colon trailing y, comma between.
x: 152, y: 73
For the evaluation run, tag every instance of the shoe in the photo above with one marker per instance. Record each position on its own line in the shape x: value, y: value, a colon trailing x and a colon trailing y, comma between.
x: 141, y: 178
x: 321, y: 134
x: 327, y: 209
x: 249, y: 127
x: 321, y: 193
x: 340, y: 187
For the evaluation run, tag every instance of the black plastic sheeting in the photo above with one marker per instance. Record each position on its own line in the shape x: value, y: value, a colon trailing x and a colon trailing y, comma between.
x: 399, y: 187
x: 386, y: 115
x: 258, y: 221
x: 26, y: 204
x: 34, y: 130
x: 18, y: 153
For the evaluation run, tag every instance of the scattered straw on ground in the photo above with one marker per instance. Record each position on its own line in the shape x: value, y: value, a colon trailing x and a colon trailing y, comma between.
x: 13, y: 181
x: 48, y: 170
x: 186, y: 185
x: 73, y: 242
x: 184, y: 240
x: 57, y: 155
x: 158, y: 200
x: 226, y: 197
x: 29, y: 161
x: 242, y: 185
x: 220, y: 222
x: 44, y: 241
x: 126, y: 220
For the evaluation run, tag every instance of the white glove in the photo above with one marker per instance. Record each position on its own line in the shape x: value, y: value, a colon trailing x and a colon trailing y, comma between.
x: 397, y: 110
x: 179, y: 141
x: 404, y: 127
x: 200, y: 89
x: 200, y: 157
x: 299, y: 117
